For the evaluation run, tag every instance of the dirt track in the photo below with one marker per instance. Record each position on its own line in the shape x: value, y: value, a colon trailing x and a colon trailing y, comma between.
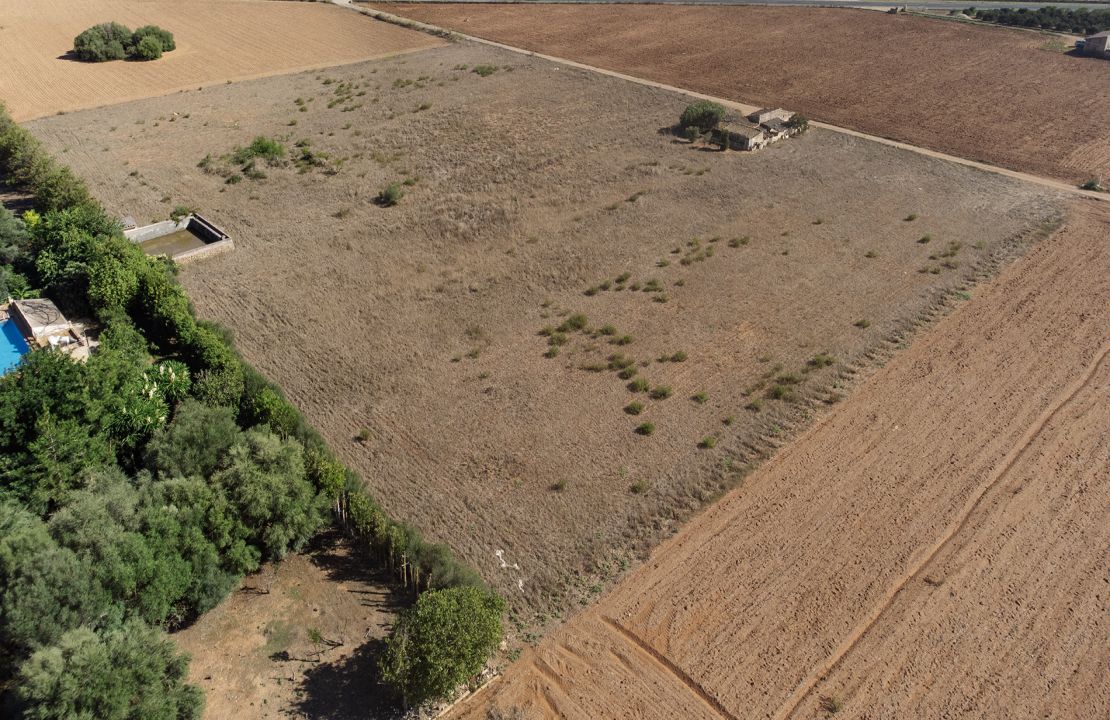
x: 217, y: 41
x: 988, y: 94
x: 936, y: 547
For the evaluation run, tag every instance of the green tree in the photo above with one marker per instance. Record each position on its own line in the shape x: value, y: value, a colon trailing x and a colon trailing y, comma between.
x: 103, y: 42
x: 103, y: 525
x: 194, y: 443
x: 441, y: 642
x: 264, y: 478
x: 131, y: 673
x: 45, y: 589
x: 59, y: 461
x: 113, y: 280
x: 13, y: 237
x: 703, y: 115
x: 148, y: 48
x: 164, y: 37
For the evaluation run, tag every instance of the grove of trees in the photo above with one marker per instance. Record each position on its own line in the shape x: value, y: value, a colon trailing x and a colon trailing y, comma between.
x: 137, y: 488
x: 1081, y: 21
x: 112, y: 41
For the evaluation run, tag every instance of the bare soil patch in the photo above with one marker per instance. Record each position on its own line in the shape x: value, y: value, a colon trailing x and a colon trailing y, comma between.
x: 934, y: 547
x: 297, y: 639
x: 528, y: 187
x: 217, y: 41
x: 984, y: 93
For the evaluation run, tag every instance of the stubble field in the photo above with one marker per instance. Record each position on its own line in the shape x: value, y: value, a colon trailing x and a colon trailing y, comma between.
x: 984, y: 93
x: 934, y: 547
x: 217, y: 41
x: 753, y: 287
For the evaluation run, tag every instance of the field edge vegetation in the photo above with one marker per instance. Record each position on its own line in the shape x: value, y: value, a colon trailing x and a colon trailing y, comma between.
x: 160, y: 472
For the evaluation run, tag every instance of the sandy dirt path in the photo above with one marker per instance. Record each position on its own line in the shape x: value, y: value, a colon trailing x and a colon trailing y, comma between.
x: 934, y: 547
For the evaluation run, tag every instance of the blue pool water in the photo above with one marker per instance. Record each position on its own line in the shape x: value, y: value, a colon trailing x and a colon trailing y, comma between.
x: 12, y: 346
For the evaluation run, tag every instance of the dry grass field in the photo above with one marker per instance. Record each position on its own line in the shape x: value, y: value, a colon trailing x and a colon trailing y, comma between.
x: 935, y: 547
x: 984, y: 93
x: 217, y: 41
x: 751, y: 287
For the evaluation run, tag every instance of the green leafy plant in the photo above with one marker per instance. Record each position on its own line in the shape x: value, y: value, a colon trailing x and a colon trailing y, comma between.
x: 390, y: 195
x: 703, y: 115
x: 440, y: 642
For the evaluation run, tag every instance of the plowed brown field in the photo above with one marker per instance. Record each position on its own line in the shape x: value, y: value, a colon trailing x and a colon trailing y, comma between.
x: 936, y: 547
x: 988, y: 94
x: 419, y: 323
x: 217, y: 41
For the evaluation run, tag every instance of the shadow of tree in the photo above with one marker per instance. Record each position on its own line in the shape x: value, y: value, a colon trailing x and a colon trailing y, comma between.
x: 348, y: 689
x: 351, y: 687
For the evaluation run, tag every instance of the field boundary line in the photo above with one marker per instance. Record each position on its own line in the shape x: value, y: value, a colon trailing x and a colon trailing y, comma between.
x: 974, y: 502
x: 736, y: 105
x: 711, y: 702
x: 203, y: 85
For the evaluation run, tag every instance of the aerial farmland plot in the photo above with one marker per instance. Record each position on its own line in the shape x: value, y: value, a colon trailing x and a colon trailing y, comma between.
x: 815, y: 429
x: 218, y: 41
x: 573, y: 330
x: 1003, y: 96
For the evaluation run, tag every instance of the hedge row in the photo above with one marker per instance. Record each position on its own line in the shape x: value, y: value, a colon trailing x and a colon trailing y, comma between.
x: 76, y: 254
x: 120, y: 277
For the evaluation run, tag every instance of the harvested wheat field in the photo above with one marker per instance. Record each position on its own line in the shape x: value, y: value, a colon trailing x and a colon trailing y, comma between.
x: 745, y: 291
x: 984, y: 93
x: 217, y: 41
x: 935, y: 547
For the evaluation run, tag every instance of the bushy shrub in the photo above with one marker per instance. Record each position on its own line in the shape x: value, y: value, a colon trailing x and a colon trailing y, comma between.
x: 108, y: 676
x: 149, y: 48
x: 441, y: 642
x: 164, y: 37
x: 799, y: 124
x: 268, y: 149
x: 703, y: 115
x: 390, y: 195
x: 103, y: 42
x: 13, y: 236
x: 112, y: 41
x: 24, y: 164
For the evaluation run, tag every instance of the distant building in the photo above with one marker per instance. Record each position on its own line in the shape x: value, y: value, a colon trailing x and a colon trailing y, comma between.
x: 741, y: 136
x: 1097, y: 44
x: 759, y: 117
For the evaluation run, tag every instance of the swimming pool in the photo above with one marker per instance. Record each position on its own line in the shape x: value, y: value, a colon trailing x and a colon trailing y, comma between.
x: 12, y: 346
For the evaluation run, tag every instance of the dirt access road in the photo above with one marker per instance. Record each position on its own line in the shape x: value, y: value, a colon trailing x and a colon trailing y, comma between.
x: 935, y: 547
x: 218, y: 41
x: 983, y: 93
